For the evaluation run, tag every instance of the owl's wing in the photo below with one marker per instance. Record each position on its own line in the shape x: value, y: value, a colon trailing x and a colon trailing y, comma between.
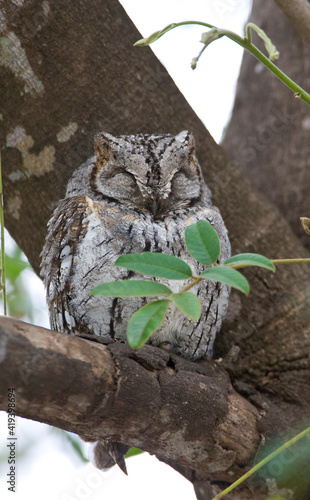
x: 66, y: 228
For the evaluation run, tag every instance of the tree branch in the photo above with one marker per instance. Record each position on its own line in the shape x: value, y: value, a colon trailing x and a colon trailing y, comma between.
x: 298, y: 12
x: 186, y: 413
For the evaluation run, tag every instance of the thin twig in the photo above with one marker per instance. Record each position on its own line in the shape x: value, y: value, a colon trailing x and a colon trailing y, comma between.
x: 262, y: 463
x: 3, y: 285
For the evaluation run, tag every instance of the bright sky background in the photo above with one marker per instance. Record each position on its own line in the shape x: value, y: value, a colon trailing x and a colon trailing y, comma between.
x: 51, y: 471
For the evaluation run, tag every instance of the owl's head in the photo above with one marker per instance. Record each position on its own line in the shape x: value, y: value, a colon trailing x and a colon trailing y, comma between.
x: 152, y: 173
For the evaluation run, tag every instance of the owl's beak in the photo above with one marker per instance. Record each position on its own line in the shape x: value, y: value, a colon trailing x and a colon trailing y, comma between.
x: 154, y: 207
x: 157, y: 207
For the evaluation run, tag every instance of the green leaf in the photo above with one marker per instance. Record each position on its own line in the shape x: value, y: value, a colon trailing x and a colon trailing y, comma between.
x: 160, y: 265
x: 133, y: 452
x: 270, y: 47
x: 250, y: 259
x: 227, y: 275
x: 131, y: 288
x: 152, y: 38
x: 75, y: 442
x: 202, y: 242
x: 194, y: 61
x: 211, y: 35
x: 188, y: 303
x: 14, y: 266
x: 145, y: 321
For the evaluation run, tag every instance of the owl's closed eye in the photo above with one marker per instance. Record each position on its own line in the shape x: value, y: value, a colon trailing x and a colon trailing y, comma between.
x: 115, y: 184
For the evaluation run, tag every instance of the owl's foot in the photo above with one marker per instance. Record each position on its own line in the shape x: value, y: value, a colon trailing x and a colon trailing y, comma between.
x: 166, y: 345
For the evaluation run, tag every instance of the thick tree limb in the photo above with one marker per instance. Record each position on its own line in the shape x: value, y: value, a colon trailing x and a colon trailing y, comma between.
x: 186, y: 413
x: 298, y: 12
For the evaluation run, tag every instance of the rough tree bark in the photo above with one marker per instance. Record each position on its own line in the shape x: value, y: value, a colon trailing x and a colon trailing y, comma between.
x: 68, y: 70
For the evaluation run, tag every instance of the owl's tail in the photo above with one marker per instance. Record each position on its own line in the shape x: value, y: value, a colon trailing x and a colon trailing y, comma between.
x: 107, y: 453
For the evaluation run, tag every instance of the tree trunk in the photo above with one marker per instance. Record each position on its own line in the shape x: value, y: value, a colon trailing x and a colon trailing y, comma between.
x: 68, y: 70
x: 269, y: 134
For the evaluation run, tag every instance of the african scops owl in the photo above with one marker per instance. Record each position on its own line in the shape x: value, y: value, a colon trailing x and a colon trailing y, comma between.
x: 138, y: 193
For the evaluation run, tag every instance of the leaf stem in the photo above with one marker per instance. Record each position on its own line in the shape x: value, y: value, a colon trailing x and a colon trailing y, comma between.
x: 262, y: 463
x: 290, y: 261
x: 299, y: 91
x: 248, y: 45
x: 3, y: 285
x: 196, y: 280
x: 245, y: 43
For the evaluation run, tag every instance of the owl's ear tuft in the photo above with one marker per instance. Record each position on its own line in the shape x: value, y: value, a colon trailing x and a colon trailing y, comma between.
x: 186, y: 140
x: 103, y: 146
x: 186, y: 137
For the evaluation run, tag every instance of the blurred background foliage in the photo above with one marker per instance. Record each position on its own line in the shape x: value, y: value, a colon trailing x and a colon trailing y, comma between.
x: 24, y: 289
x: 19, y: 301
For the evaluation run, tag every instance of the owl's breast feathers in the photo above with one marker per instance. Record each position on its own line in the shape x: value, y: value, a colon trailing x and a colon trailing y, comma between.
x: 85, y: 238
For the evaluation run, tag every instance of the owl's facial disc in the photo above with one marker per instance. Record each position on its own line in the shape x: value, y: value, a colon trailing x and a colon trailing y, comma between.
x: 155, y: 174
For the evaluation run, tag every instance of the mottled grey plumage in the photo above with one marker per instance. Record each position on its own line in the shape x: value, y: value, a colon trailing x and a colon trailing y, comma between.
x: 138, y: 193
